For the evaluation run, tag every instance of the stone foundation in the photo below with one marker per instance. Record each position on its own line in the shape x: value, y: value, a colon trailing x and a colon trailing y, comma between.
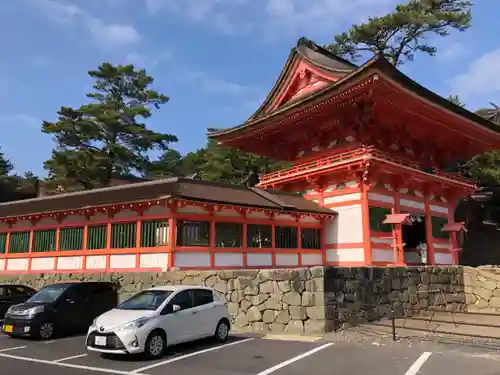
x: 316, y: 300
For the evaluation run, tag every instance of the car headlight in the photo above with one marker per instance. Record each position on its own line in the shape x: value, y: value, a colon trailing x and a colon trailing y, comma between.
x: 31, y: 311
x: 138, y: 323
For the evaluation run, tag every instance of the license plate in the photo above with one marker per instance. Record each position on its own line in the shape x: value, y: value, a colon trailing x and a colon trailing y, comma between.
x: 7, y: 328
x: 100, y: 340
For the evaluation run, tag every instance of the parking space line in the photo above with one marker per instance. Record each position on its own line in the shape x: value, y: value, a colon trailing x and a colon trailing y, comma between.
x: 294, y: 359
x: 415, y: 367
x: 14, y: 348
x: 68, y: 358
x: 68, y: 365
x: 50, y: 342
x: 181, y: 357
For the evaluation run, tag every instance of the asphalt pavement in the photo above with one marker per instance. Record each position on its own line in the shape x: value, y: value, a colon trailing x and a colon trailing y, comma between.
x: 250, y: 355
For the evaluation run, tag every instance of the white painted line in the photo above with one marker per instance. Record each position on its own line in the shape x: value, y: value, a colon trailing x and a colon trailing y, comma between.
x: 68, y: 358
x: 181, y: 357
x: 15, y: 348
x: 413, y: 370
x: 294, y: 359
x: 68, y: 365
x: 50, y: 342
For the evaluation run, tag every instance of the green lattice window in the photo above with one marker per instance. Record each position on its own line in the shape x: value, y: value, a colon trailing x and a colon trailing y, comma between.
x: 71, y: 239
x: 154, y: 233
x: 3, y: 243
x: 193, y: 233
x: 19, y: 242
x: 377, y: 216
x: 259, y: 236
x: 44, y: 240
x: 286, y: 237
x: 228, y: 235
x: 96, y: 237
x: 310, y: 238
x: 437, y: 224
x: 123, y: 235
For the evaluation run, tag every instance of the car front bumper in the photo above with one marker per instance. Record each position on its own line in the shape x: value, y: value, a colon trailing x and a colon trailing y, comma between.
x: 115, y: 342
x: 21, y: 326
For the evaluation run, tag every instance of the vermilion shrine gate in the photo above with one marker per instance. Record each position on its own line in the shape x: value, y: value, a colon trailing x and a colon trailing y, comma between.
x: 371, y: 144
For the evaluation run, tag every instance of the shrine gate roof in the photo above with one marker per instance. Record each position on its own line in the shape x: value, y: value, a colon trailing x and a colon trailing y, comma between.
x: 327, y: 75
x: 171, y: 188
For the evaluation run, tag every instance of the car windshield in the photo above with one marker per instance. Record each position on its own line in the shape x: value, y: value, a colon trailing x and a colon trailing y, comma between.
x: 48, y: 294
x: 146, y: 300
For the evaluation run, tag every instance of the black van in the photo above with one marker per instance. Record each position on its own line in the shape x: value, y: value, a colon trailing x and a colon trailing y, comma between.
x: 60, y: 308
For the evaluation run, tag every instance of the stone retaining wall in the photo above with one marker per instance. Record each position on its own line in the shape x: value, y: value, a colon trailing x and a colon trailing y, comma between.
x: 277, y: 301
x: 482, y: 288
x: 318, y: 299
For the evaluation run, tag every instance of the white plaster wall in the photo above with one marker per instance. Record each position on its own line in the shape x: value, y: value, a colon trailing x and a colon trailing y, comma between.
x: 125, y: 214
x: 99, y: 216
x: 74, y: 219
x: 96, y: 262
x: 381, y: 197
x: 284, y: 217
x: 192, y: 210
x: 22, y: 224
x: 42, y: 263
x: 412, y: 257
x: 259, y: 259
x: 2, y: 264
x: 345, y: 255
x: 411, y: 204
x: 122, y: 261
x: 443, y: 258
x: 287, y: 259
x: 228, y: 259
x: 4, y: 225
x: 257, y: 215
x: 201, y: 259
x: 347, y: 227
x: 156, y: 210
x: 46, y: 221
x: 154, y: 260
x: 70, y: 263
x: 228, y: 213
x: 382, y: 255
x: 441, y: 245
x: 341, y: 198
x: 440, y: 209
x: 312, y: 259
x: 387, y: 241
x: 18, y: 264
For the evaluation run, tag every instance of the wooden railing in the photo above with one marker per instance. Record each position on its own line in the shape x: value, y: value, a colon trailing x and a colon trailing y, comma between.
x: 358, y: 154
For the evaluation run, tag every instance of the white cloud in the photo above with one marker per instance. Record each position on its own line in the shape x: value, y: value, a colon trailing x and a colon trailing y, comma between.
x: 451, y: 51
x: 218, y: 85
x: 481, y: 81
x: 62, y: 12
x: 146, y: 61
x: 20, y: 119
x: 271, y: 17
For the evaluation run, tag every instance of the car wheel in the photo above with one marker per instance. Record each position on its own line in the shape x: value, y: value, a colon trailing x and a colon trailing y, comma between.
x: 46, y: 330
x: 155, y: 344
x: 222, y: 331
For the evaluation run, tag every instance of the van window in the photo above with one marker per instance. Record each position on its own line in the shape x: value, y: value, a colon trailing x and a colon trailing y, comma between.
x: 49, y: 294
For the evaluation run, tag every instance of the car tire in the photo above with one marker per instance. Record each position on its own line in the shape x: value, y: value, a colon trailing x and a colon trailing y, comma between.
x: 156, y: 344
x: 222, y: 331
x: 45, y: 331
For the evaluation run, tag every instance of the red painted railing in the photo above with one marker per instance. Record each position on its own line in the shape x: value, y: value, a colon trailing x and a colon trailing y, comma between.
x: 358, y: 154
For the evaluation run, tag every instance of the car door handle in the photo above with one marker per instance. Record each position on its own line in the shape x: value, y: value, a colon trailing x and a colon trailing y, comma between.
x: 194, y: 312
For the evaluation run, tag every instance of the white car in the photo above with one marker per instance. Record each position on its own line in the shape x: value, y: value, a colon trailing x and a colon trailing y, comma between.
x: 157, y: 317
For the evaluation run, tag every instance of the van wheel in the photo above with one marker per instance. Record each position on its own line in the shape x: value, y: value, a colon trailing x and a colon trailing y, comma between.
x: 46, y: 330
x: 222, y: 331
x: 155, y: 344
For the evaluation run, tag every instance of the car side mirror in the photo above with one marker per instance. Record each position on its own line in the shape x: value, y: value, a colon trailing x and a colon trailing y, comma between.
x: 176, y: 308
x: 71, y: 301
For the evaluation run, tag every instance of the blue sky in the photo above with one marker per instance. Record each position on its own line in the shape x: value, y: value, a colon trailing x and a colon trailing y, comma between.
x: 216, y: 59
